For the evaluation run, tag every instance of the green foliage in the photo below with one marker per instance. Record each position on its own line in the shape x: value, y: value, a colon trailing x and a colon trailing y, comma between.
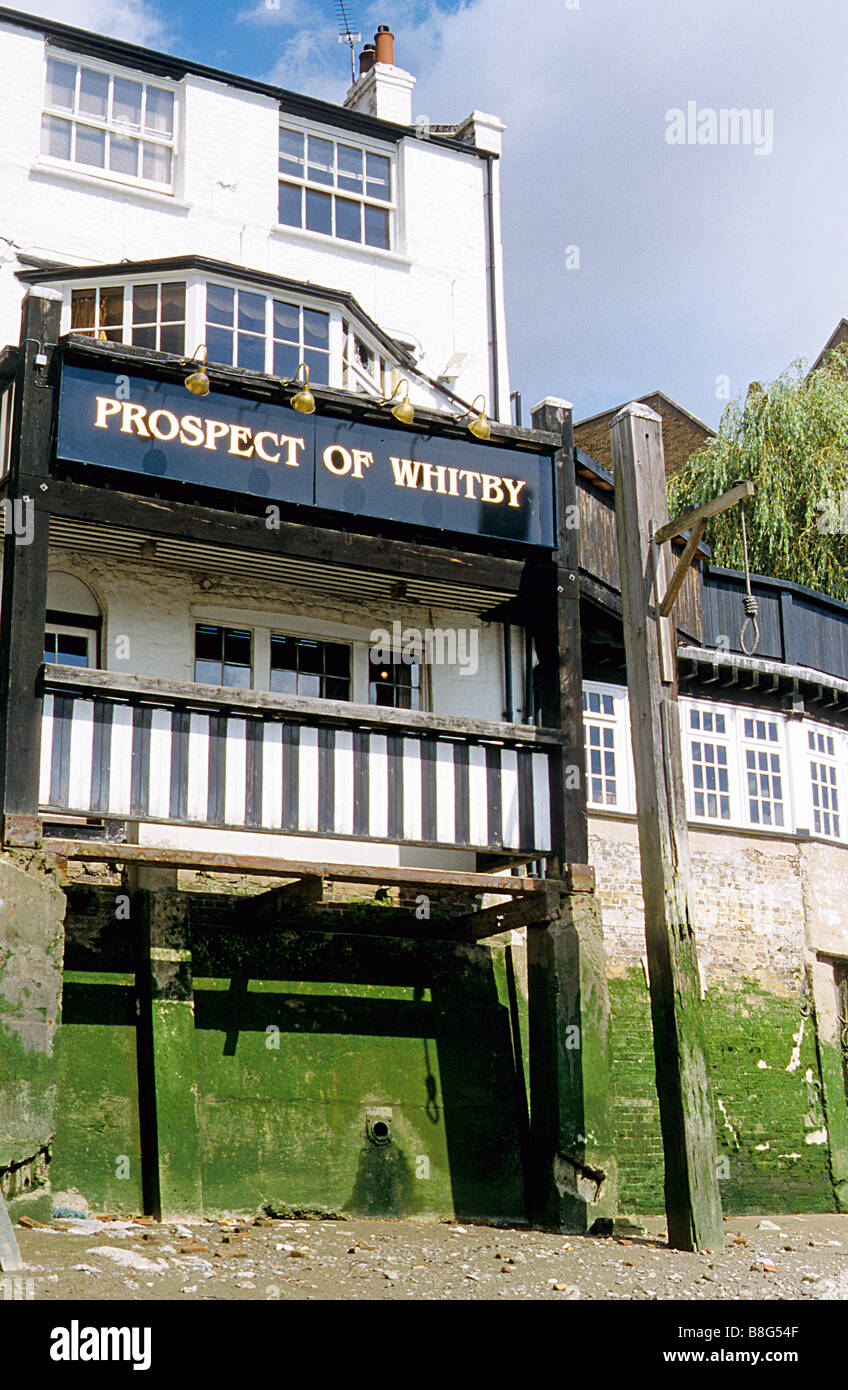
x: 791, y: 440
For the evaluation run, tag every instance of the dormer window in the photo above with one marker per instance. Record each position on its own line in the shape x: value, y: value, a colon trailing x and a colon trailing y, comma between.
x: 335, y: 188
x: 106, y: 123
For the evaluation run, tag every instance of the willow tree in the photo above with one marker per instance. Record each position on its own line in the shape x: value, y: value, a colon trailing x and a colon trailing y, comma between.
x: 791, y: 439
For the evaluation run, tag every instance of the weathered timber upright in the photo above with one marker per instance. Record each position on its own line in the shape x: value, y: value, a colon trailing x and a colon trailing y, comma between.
x: 573, y: 1172
x: 693, y: 1204
x: 25, y: 550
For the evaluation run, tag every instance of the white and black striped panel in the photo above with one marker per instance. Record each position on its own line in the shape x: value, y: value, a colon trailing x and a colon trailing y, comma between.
x: 219, y: 769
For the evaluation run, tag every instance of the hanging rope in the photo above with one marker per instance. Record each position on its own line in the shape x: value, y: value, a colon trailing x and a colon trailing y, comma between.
x: 749, y: 603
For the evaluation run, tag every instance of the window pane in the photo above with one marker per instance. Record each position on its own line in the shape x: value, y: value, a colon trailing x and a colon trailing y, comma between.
x: 145, y: 303
x: 70, y: 650
x: 126, y: 102
x: 172, y: 339
x: 173, y: 301
x: 83, y: 305
x: 286, y: 321
x: 290, y: 212
x: 237, y: 646
x: 56, y: 138
x: 251, y: 312
x: 378, y: 172
x: 159, y: 112
x: 376, y: 227
x: 319, y: 208
x: 320, y: 160
x: 208, y: 642
x: 145, y: 337
x: 220, y: 305
x: 284, y: 682
x: 111, y: 306
x: 219, y: 344
x: 316, y: 329
x: 91, y: 147
x: 207, y: 672
x: 123, y: 155
x: 94, y: 93
x: 61, y: 84
x: 236, y: 677
x: 251, y: 352
x: 286, y: 359
x: 291, y: 151
x: 319, y: 366
x: 350, y: 169
x: 49, y: 646
x: 156, y: 163
x: 348, y: 220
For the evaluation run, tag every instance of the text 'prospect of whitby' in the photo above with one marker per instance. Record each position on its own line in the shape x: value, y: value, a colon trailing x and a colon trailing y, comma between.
x: 262, y: 449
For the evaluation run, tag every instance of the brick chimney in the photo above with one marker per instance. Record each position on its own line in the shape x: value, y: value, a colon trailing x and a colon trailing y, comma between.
x: 382, y: 89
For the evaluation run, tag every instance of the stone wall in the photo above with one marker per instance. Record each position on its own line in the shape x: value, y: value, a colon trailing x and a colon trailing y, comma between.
x: 771, y: 917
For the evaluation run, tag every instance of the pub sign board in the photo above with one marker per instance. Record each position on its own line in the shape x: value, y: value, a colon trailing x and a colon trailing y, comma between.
x: 267, y: 450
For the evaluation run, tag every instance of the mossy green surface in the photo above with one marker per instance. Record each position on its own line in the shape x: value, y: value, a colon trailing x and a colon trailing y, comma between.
x: 769, y: 1117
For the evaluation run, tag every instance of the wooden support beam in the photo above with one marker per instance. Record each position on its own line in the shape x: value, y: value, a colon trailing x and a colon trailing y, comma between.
x: 683, y: 563
x: 693, y: 1204
x: 686, y: 520
x: 174, y: 519
x: 272, y: 908
x: 25, y: 557
x: 107, y: 852
x: 531, y: 910
x: 557, y: 636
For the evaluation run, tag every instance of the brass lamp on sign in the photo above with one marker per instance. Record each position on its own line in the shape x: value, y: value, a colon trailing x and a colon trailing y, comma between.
x: 404, y: 411
x: 303, y: 400
x: 198, y: 382
x: 479, y: 426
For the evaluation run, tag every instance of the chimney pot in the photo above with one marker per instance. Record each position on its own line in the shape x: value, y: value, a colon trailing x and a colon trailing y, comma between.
x: 384, y: 43
x: 367, y: 58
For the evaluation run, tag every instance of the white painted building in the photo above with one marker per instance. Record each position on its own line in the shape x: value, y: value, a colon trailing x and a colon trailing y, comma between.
x: 122, y: 156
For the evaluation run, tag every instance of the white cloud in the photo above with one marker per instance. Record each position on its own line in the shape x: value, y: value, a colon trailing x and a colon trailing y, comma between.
x: 269, y: 12
x: 135, y: 21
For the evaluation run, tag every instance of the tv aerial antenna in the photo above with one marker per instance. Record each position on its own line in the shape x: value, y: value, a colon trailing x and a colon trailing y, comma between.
x: 347, y: 35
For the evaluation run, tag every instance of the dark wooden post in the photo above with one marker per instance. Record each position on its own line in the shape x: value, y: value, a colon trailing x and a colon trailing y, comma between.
x: 25, y: 557
x: 573, y: 1179
x: 693, y: 1204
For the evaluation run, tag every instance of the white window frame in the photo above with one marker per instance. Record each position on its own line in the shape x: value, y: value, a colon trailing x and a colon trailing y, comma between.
x: 834, y: 760
x: 619, y: 722
x: 727, y: 740
x: 111, y: 126
x: 270, y: 295
x: 384, y: 149
x: 70, y: 630
x: 787, y: 770
x: 128, y: 286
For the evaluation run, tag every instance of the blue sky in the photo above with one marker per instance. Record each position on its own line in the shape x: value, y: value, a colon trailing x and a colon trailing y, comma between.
x: 696, y: 262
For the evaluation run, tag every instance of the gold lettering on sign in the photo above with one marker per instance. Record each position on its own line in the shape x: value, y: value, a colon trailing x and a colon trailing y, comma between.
x: 342, y: 461
x: 430, y: 477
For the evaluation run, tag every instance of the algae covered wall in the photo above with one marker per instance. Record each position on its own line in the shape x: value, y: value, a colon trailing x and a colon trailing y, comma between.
x: 771, y: 921
x: 32, y: 909
x: 324, y: 1071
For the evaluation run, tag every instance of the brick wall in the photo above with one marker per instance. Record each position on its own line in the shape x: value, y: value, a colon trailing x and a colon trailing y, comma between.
x: 759, y: 925
x: 681, y: 435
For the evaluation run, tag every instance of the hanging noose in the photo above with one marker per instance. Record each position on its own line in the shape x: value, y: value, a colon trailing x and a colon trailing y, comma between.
x: 749, y: 603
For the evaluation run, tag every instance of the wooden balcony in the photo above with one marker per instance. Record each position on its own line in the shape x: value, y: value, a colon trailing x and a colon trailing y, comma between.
x: 159, y: 751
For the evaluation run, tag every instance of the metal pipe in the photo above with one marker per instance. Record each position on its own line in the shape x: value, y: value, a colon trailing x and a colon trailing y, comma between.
x: 507, y: 650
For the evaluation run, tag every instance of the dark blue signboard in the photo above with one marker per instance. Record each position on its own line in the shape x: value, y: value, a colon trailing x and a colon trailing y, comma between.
x: 262, y: 449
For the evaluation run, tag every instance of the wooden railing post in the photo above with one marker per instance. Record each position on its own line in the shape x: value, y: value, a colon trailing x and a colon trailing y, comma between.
x: 25, y: 558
